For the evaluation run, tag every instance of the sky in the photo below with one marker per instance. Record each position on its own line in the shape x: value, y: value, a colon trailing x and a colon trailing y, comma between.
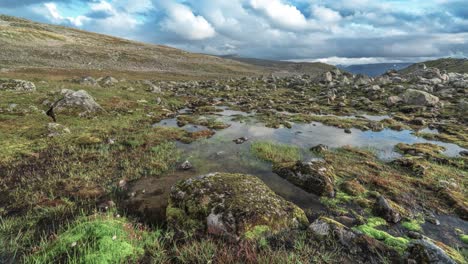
x: 330, y: 31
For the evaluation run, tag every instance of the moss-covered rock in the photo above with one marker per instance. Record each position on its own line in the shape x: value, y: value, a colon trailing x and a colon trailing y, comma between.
x: 232, y: 205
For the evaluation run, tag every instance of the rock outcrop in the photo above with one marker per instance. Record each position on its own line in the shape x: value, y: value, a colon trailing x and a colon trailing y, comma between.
x: 314, y: 177
x: 387, y: 210
x: 424, y: 251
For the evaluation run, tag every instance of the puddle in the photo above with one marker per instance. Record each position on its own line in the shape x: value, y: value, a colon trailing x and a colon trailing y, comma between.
x: 445, y: 232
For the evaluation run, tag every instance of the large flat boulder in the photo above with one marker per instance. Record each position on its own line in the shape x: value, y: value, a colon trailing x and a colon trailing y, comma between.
x: 231, y: 205
x: 420, y: 98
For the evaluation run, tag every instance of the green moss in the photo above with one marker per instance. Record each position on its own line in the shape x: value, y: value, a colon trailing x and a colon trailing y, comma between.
x: 464, y: 238
x: 257, y: 232
x: 276, y: 153
x: 398, y: 243
x: 98, y: 239
x: 413, y: 225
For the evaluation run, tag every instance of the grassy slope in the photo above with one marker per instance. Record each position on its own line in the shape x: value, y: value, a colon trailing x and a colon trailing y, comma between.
x: 448, y: 64
x: 35, y: 48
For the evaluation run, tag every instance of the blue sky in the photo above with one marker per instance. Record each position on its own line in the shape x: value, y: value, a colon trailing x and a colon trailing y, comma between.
x: 332, y: 31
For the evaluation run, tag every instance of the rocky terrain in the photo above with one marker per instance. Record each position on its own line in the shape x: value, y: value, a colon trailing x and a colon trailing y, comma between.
x: 309, y: 168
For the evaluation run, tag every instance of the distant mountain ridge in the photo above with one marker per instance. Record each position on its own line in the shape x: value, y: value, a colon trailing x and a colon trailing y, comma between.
x: 375, y: 69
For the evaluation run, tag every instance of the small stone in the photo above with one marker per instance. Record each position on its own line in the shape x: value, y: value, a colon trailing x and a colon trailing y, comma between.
x: 433, y: 220
x: 240, y: 140
x: 319, y: 148
x: 347, y: 131
x: 186, y: 165
x: 123, y: 184
x: 414, y: 235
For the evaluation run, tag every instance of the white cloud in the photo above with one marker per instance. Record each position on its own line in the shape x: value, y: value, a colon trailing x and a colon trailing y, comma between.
x: 282, y: 15
x: 325, y: 14
x: 54, y: 15
x: 181, y: 20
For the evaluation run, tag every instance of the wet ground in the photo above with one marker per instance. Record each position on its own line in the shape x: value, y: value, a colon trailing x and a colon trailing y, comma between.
x: 220, y: 154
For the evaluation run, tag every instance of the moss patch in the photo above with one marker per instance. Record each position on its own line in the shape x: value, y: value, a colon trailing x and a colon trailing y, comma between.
x: 413, y: 225
x: 398, y: 243
x: 97, y: 239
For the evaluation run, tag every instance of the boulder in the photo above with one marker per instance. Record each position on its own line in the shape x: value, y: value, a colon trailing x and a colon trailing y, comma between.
x: 424, y: 251
x: 388, y: 211
x: 76, y: 101
x: 393, y: 100
x: 420, y: 98
x: 325, y: 227
x: 314, y: 177
x: 326, y: 77
x: 108, y: 81
x: 431, y: 73
x: 151, y: 87
x: 362, y: 80
x: 86, y: 80
x: 232, y: 205
x: 16, y: 85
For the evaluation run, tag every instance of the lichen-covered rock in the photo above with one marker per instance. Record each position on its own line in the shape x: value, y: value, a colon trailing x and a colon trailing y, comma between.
x: 55, y: 130
x: 16, y: 85
x: 233, y: 205
x: 76, y: 101
x: 326, y: 227
x: 387, y: 210
x: 421, y: 98
x: 424, y: 251
x: 314, y: 177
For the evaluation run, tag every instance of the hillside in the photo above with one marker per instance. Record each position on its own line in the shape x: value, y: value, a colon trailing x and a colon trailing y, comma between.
x: 285, y: 67
x: 30, y: 47
x: 374, y: 69
x: 447, y: 64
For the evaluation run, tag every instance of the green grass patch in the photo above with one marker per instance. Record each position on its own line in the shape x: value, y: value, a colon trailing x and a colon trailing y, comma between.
x: 276, y: 153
